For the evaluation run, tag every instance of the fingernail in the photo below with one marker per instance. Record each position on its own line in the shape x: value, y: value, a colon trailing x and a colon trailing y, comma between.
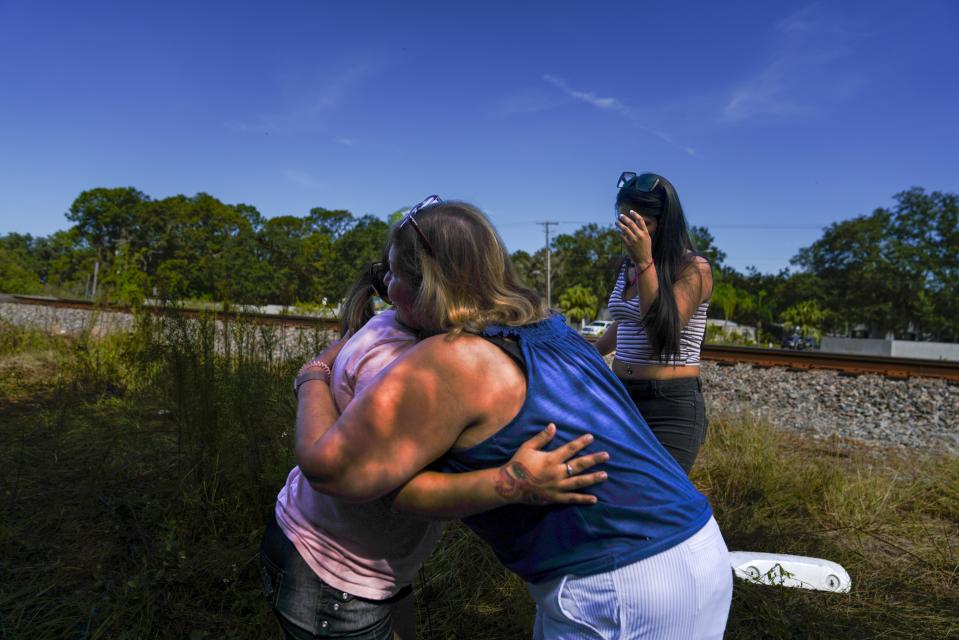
x: 589, y: 437
x: 602, y: 474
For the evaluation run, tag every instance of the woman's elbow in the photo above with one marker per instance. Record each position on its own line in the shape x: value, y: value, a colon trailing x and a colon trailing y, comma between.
x: 338, y: 483
x: 344, y: 493
x: 318, y: 468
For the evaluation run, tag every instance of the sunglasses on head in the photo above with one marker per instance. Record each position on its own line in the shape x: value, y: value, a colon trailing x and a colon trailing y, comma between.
x: 378, y: 280
x: 430, y: 201
x: 642, y: 182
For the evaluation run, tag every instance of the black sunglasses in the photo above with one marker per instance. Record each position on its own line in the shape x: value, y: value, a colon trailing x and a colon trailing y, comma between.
x: 643, y: 182
x: 430, y: 201
x: 378, y: 280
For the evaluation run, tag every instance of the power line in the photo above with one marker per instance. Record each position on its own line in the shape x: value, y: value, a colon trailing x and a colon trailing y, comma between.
x: 765, y: 227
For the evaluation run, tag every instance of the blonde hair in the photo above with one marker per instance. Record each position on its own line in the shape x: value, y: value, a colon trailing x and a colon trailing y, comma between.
x: 467, y: 281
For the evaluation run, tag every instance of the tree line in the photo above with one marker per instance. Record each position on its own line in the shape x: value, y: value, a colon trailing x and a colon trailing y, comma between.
x: 126, y: 246
x: 896, y: 269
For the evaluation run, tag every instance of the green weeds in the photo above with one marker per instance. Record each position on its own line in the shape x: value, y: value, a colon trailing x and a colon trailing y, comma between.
x: 887, y: 515
x: 139, y: 470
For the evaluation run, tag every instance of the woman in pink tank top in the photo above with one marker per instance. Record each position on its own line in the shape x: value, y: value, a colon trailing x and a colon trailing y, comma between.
x: 658, y: 305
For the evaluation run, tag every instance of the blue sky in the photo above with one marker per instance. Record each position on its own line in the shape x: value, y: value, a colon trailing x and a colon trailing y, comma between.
x: 772, y: 119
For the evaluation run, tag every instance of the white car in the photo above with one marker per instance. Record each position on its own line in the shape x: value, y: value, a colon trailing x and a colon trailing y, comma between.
x: 595, y: 329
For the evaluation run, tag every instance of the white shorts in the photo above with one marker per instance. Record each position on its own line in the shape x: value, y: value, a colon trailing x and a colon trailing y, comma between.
x: 683, y: 592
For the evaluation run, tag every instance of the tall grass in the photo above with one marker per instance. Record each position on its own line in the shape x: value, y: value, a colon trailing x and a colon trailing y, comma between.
x: 889, y: 516
x: 139, y: 470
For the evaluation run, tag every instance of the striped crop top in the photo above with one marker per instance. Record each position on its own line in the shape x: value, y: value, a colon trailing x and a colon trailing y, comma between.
x: 632, y: 343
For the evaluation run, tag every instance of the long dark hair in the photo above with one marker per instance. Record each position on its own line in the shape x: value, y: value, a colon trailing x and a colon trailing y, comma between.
x: 358, y: 308
x: 673, y: 252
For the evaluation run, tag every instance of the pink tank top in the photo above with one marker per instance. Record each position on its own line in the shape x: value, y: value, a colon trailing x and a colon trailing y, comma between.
x: 363, y: 549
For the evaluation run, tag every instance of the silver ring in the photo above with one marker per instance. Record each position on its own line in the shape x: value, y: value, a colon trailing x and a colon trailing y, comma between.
x: 569, y: 471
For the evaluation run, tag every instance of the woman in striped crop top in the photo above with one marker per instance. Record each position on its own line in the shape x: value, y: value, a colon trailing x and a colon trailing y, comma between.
x: 659, y: 307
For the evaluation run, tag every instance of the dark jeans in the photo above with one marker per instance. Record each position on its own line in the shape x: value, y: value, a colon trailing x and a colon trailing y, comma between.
x: 307, y: 607
x: 675, y: 411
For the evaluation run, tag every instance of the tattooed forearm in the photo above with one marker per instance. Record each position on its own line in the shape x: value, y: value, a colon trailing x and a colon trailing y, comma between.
x: 516, y: 484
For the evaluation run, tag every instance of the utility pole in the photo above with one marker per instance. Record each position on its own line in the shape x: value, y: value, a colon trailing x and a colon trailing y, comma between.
x: 546, y: 225
x: 96, y: 270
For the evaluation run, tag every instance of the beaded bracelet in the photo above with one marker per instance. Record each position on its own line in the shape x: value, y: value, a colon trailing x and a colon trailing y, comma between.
x: 315, y: 369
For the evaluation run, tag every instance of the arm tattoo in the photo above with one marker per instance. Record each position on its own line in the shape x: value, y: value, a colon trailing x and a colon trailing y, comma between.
x: 516, y: 484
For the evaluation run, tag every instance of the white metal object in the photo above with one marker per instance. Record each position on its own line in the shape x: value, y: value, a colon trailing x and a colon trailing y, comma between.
x: 790, y: 571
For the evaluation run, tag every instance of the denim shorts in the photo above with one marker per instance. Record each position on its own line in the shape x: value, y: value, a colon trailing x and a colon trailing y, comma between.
x: 676, y: 412
x: 309, y: 608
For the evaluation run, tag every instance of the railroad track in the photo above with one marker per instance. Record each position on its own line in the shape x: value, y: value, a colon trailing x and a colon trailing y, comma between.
x: 249, y: 316
x: 845, y: 364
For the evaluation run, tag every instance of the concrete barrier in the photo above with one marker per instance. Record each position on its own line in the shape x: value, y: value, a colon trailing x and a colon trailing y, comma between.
x: 891, y: 348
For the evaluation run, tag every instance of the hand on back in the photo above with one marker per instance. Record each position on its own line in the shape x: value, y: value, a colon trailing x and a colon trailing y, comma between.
x: 535, y: 476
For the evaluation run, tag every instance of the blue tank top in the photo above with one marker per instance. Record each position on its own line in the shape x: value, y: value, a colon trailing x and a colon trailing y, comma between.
x: 646, y: 505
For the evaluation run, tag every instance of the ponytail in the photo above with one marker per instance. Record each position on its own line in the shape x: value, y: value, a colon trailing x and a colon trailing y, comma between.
x: 358, y: 308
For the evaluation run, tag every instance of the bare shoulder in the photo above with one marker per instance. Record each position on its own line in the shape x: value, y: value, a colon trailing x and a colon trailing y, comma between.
x: 467, y: 360
x: 698, y: 275
x: 702, y: 265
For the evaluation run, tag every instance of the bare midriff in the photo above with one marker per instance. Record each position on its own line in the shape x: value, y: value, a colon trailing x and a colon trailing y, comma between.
x: 653, y: 371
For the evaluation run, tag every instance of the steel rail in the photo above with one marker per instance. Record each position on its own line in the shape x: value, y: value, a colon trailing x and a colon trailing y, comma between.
x: 847, y: 363
x: 329, y: 324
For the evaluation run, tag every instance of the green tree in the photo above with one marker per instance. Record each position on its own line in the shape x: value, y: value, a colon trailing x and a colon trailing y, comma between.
x: 106, y: 218
x: 531, y: 269
x: 363, y: 243
x: 805, y: 316
x: 66, y: 263
x: 588, y: 257
x: 894, y: 270
x: 199, y: 247
x: 578, y: 303
x: 396, y: 216
x: 853, y: 262
x: 726, y: 297
x: 705, y: 245
x: 926, y: 249
x: 15, y: 275
x: 331, y: 223
x: 282, y: 244
x: 125, y: 280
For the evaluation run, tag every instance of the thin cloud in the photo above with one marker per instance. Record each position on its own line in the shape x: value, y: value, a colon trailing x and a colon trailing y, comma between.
x: 607, y: 104
x: 614, y: 105
x: 526, y: 101
x: 303, y: 179
x: 307, y: 111
x: 805, y: 72
x: 765, y: 96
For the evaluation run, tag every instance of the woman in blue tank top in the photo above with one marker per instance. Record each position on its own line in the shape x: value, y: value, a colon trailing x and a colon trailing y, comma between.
x: 641, y: 558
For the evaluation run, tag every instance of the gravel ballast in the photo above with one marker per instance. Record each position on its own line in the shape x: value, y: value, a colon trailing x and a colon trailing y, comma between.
x: 915, y: 412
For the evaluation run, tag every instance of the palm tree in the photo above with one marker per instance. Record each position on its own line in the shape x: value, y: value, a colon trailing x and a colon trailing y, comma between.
x: 578, y: 303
